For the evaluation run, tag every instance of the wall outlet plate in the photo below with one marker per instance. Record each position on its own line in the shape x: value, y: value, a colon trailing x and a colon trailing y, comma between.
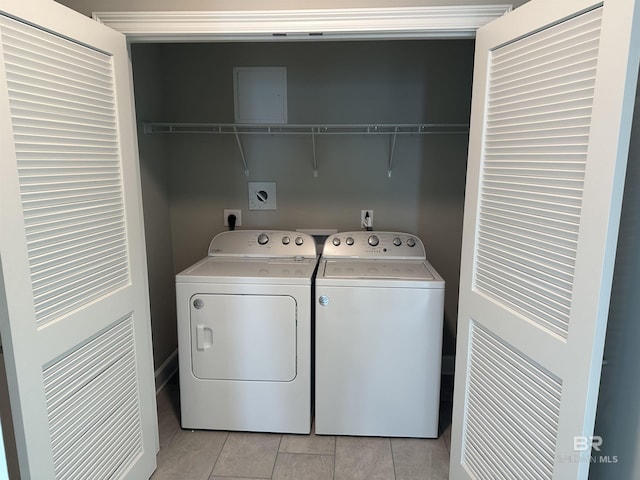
x: 366, y: 221
x: 237, y: 213
x: 262, y: 195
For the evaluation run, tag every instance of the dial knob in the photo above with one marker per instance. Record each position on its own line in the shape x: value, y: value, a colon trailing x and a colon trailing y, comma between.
x: 373, y: 240
x: 349, y: 241
x: 335, y: 241
x: 299, y: 240
x: 263, y: 239
x: 411, y: 242
x: 397, y: 242
x: 286, y: 240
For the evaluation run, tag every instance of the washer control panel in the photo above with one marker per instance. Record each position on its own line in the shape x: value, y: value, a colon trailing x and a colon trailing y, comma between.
x: 263, y: 244
x: 371, y: 244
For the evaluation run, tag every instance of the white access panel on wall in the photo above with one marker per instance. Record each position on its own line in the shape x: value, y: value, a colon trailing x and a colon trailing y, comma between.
x: 260, y: 94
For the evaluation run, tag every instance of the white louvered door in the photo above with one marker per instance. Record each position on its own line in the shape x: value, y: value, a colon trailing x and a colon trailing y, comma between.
x: 74, y: 310
x: 554, y: 84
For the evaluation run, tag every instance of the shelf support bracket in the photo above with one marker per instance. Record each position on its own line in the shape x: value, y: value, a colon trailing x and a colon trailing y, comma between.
x: 244, y: 160
x: 393, y: 147
x: 315, y: 160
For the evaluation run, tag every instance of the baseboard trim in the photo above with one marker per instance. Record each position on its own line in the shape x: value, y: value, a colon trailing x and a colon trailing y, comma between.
x: 167, y: 370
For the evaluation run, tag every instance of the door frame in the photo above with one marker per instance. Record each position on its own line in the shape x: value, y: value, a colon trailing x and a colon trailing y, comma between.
x: 445, y: 22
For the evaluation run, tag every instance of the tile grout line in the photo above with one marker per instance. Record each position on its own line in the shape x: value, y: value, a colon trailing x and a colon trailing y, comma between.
x: 335, y: 453
x: 275, y: 460
x: 393, y: 460
x: 218, y: 456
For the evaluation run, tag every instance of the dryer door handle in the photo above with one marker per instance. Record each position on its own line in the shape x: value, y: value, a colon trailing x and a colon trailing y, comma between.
x: 204, y: 337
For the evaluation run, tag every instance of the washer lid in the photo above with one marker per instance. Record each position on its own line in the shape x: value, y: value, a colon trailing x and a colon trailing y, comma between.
x: 377, y: 269
x: 250, y: 270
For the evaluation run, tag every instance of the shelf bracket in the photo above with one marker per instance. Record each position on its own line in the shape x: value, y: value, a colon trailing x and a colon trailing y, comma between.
x: 393, y: 147
x: 244, y: 160
x: 315, y: 160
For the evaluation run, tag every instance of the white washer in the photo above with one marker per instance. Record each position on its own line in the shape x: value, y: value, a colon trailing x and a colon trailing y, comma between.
x: 244, y: 333
x: 378, y: 330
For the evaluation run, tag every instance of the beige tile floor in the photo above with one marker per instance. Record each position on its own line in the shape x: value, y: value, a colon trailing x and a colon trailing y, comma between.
x: 217, y: 455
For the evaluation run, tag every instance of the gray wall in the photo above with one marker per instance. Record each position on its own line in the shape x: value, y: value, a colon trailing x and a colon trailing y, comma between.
x: 424, y: 195
x: 618, y: 415
x: 155, y: 175
x: 349, y: 82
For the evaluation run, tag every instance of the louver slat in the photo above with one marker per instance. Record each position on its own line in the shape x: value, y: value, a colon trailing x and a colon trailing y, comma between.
x: 93, y: 407
x: 512, y: 414
x: 534, y: 157
x: 64, y: 126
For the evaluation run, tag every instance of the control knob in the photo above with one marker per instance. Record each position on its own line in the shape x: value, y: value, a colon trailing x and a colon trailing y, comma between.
x: 286, y: 240
x: 373, y: 240
x: 299, y: 241
x: 349, y: 241
x: 263, y: 239
x: 397, y: 242
x: 411, y: 242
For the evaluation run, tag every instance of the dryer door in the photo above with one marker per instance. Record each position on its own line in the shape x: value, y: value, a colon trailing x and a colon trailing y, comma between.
x: 243, y: 337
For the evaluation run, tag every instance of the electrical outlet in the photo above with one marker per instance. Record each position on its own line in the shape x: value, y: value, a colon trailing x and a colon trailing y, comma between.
x: 366, y: 218
x: 237, y: 213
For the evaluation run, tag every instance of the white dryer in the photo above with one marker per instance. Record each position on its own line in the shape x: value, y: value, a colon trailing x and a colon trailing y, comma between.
x: 379, y: 323
x: 244, y: 333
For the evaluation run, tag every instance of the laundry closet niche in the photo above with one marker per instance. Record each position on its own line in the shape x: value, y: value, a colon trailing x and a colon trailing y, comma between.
x: 190, y: 178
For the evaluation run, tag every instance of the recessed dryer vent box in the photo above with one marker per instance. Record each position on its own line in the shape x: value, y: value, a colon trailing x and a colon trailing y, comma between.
x: 262, y: 195
x: 260, y: 94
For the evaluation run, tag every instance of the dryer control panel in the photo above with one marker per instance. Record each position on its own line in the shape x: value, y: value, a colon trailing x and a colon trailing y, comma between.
x: 263, y: 244
x: 371, y: 244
